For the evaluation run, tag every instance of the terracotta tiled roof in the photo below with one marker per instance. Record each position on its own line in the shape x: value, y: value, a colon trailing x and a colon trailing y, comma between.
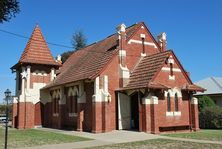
x: 87, y: 63
x: 193, y: 87
x: 143, y: 74
x: 37, y: 51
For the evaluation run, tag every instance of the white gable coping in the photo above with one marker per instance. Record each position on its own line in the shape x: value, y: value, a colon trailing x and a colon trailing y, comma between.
x: 140, y: 42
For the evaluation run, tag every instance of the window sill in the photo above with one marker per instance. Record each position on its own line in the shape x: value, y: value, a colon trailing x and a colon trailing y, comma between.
x: 175, y: 113
x: 169, y: 113
x: 73, y: 114
x: 55, y: 114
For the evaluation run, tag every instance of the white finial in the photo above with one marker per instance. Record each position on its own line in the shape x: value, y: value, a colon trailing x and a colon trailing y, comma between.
x: 59, y: 58
x: 121, y: 28
x: 162, y: 36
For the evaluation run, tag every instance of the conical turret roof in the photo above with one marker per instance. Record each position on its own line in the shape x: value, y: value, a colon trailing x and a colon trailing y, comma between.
x: 37, y: 51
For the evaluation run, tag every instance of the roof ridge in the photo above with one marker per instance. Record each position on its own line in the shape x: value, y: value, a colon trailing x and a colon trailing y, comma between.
x: 107, y: 37
x: 214, y: 80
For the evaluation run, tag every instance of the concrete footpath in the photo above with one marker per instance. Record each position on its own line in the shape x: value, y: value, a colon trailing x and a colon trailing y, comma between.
x: 99, y: 139
x: 108, y: 139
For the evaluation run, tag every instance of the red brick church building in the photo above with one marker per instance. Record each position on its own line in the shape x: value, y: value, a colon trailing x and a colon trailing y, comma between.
x: 128, y: 80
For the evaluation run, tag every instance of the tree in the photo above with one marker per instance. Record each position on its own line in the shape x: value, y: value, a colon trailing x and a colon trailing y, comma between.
x: 8, y: 9
x: 205, y: 101
x: 65, y: 55
x: 78, y: 42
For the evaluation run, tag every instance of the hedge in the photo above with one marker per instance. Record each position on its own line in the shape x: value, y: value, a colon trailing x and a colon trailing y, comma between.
x: 211, y: 118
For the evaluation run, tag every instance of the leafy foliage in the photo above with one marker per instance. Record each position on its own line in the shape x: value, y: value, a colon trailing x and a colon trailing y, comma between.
x: 2, y: 110
x: 78, y: 42
x: 66, y: 55
x: 211, y: 117
x: 8, y: 9
x: 205, y: 101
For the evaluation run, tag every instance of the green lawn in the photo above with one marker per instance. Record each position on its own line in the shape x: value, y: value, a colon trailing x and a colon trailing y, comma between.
x: 161, y: 144
x: 32, y: 137
x: 205, y: 134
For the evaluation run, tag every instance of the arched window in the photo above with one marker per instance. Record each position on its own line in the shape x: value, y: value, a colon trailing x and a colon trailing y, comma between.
x: 73, y: 104
x: 168, y: 102
x: 56, y: 105
x: 72, y: 99
x: 176, y: 102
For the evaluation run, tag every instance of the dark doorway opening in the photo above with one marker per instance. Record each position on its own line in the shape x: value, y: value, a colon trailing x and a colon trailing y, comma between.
x: 134, y: 112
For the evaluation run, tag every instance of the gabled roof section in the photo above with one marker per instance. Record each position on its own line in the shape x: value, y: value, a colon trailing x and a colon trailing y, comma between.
x: 36, y: 50
x: 87, y: 63
x: 139, y: 25
x: 212, y: 84
x: 145, y: 73
x: 146, y: 70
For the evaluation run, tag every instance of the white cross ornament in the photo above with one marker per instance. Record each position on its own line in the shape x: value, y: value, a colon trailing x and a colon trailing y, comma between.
x: 24, y: 74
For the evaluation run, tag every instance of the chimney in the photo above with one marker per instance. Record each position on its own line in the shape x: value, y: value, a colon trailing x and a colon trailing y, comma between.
x: 121, y: 30
x: 162, y: 41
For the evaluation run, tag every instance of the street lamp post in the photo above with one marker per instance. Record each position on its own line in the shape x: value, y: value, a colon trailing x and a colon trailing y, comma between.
x: 7, y: 98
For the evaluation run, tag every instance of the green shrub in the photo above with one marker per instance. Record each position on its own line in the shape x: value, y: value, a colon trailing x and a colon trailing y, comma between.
x: 205, y: 101
x: 211, y: 118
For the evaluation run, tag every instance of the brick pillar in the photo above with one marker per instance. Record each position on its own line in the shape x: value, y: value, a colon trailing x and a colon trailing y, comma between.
x: 97, y: 117
x: 147, y: 117
x: 14, y: 115
x: 154, y: 115
x: 25, y: 115
x: 80, y: 117
x: 194, y: 114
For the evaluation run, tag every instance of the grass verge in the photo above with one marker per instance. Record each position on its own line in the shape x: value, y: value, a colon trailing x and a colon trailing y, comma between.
x: 204, y: 134
x: 33, y: 137
x: 161, y: 144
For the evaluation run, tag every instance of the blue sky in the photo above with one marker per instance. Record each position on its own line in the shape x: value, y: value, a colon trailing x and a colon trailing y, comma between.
x: 194, y: 29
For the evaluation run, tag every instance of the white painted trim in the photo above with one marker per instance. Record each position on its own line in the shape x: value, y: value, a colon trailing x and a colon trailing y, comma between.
x: 53, y: 74
x: 39, y: 73
x: 142, y: 35
x: 121, y: 28
x: 73, y: 114
x: 55, y: 114
x: 171, y: 61
x: 177, y: 113
x: 122, y: 53
x: 169, y: 113
x: 124, y: 72
x: 140, y: 42
x: 154, y: 100
x: 147, y: 100
x: 168, y: 69
x: 105, y: 83
x: 14, y: 99
x: 101, y: 94
x: 143, y: 54
x: 194, y: 101
x: 28, y: 76
x: 173, y: 91
x: 82, y: 93
x: 38, y: 126
x: 172, y: 77
x: 72, y: 91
